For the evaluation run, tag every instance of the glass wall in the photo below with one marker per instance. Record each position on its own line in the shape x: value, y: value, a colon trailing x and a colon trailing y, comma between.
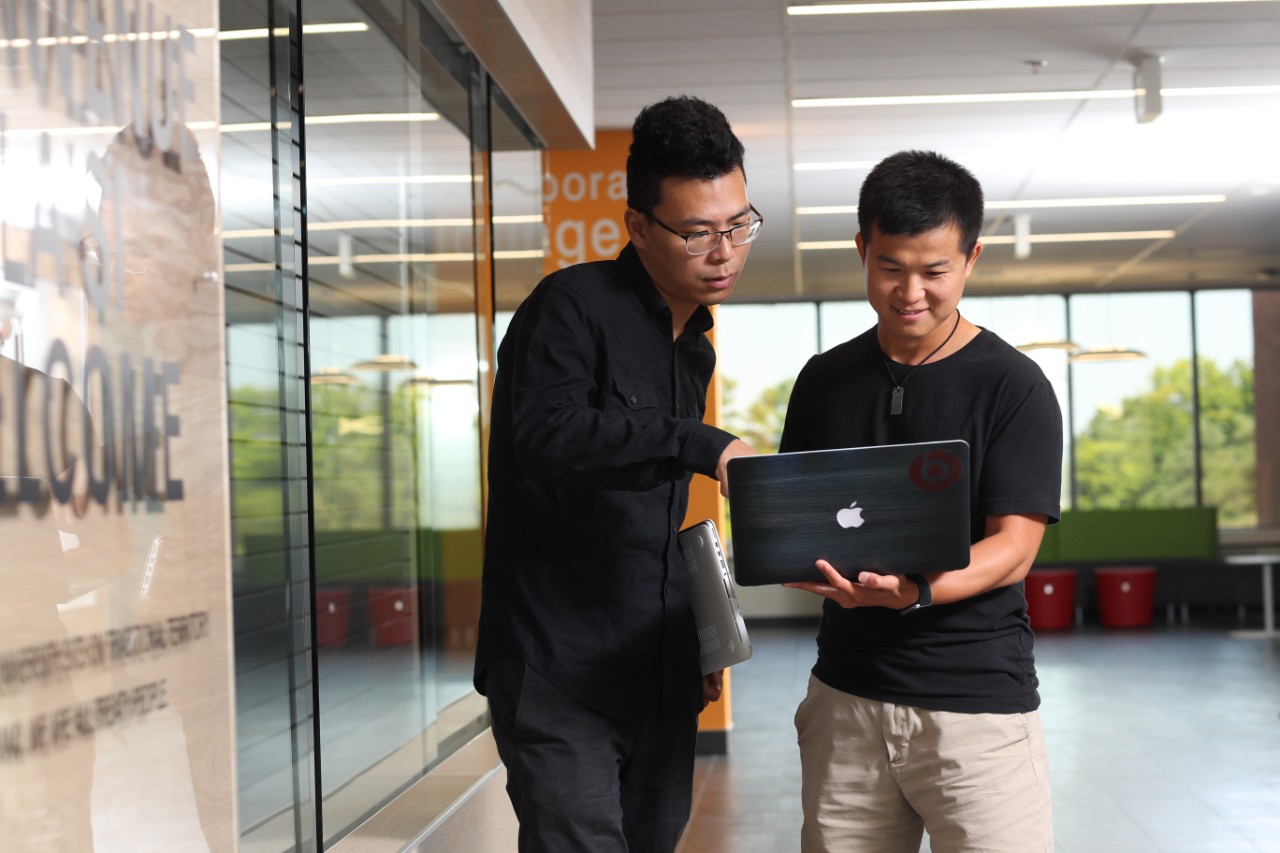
x: 1132, y: 417
x: 1225, y: 394
x: 263, y: 268
x: 362, y: 265
x: 1168, y: 422
x: 759, y: 351
x: 1038, y: 326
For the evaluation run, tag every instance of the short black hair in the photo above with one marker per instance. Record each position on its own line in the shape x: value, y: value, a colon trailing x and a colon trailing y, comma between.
x: 916, y: 191
x: 680, y: 137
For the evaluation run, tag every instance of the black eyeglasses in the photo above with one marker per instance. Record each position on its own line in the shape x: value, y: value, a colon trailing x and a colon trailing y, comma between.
x: 705, y: 242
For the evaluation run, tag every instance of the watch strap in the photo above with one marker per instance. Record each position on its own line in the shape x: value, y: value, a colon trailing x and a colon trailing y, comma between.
x: 925, y: 598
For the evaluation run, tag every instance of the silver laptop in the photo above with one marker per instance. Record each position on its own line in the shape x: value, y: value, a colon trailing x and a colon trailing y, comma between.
x: 891, y: 509
x: 722, y: 633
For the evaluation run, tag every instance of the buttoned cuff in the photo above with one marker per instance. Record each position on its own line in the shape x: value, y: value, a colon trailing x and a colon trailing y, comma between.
x: 703, y: 448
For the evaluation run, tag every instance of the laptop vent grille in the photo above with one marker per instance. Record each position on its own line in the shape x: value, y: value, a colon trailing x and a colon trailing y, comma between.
x: 709, y: 639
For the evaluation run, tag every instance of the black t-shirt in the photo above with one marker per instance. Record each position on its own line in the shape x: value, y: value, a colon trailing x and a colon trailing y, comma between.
x: 971, y: 656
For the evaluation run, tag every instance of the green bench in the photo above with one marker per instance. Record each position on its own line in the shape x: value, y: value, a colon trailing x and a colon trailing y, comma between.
x: 1181, y: 543
x: 1148, y: 536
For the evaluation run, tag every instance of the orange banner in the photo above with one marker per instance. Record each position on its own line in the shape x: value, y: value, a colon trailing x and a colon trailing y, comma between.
x: 583, y: 196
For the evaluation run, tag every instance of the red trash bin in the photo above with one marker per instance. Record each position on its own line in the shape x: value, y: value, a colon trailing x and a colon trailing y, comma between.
x: 333, y: 616
x: 393, y: 613
x: 1126, y: 595
x: 1051, y: 598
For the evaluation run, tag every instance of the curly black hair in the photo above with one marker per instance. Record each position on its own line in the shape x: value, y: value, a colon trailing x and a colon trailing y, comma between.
x: 915, y: 191
x: 680, y: 137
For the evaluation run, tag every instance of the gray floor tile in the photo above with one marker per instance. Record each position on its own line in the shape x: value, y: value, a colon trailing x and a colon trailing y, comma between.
x: 1160, y: 740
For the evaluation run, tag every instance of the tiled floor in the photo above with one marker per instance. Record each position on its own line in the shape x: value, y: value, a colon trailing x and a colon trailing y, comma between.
x: 1160, y: 740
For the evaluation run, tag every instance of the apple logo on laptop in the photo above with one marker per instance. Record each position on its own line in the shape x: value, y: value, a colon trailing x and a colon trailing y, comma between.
x: 850, y: 516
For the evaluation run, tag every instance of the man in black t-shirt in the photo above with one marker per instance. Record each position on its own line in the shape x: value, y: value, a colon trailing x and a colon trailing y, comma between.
x: 922, y: 707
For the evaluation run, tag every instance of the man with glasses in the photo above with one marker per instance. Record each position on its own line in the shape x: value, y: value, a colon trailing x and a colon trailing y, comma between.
x: 587, y: 648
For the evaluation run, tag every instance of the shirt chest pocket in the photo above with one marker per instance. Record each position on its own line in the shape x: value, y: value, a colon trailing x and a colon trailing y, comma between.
x: 635, y: 399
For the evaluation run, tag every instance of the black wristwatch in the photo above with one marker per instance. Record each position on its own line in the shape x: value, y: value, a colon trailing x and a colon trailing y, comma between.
x: 926, y: 595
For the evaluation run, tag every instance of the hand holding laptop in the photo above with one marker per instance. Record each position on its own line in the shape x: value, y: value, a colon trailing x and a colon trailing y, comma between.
x: 736, y: 448
x: 869, y: 590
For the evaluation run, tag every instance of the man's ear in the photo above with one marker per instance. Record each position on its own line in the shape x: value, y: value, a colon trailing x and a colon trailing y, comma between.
x: 973, y: 257
x: 636, y: 223
x: 862, y: 247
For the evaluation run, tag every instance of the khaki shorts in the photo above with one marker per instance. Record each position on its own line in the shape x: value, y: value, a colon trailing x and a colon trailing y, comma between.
x: 876, y: 775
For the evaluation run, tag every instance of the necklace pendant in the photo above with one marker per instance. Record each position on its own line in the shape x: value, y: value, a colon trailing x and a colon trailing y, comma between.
x: 895, y: 404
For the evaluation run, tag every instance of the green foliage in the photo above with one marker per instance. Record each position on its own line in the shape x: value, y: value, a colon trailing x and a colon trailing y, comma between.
x: 760, y: 425
x: 346, y: 456
x: 1141, y: 454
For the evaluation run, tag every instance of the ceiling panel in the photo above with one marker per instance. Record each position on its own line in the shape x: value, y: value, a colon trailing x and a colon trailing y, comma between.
x: 1075, y: 148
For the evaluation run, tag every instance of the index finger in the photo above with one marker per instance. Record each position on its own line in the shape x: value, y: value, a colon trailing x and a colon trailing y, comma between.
x: 833, y: 576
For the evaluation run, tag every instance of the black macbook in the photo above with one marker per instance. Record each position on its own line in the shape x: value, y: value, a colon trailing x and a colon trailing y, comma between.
x: 890, y: 509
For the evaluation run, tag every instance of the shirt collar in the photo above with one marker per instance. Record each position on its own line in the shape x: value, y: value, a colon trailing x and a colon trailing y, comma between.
x: 655, y: 306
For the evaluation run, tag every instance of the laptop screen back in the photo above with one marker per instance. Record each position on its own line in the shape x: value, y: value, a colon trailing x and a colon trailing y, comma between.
x: 891, y: 509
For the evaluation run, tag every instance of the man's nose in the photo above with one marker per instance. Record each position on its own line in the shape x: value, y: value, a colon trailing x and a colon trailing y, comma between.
x: 912, y: 288
x: 724, y: 250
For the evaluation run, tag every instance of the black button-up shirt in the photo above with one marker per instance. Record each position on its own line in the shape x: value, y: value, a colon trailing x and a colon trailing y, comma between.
x: 597, y: 426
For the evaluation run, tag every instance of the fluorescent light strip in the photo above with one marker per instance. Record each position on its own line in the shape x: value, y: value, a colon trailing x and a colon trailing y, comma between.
x: 836, y: 166
x: 1115, y: 201
x: 394, y: 180
x: 373, y: 118
x: 198, y: 32
x: 365, y: 224
x: 437, y: 257
x: 412, y: 257
x: 821, y: 245
x: 975, y: 98
x: 360, y: 224
x: 1047, y: 203
x: 826, y: 210
x: 307, y: 29
x: 1002, y: 239
x: 58, y: 132
x: 981, y: 5
x: 1083, y: 237
x: 1019, y: 97
x: 348, y: 118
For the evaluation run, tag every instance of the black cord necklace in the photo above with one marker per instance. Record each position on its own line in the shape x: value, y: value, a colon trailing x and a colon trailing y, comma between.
x: 895, y: 403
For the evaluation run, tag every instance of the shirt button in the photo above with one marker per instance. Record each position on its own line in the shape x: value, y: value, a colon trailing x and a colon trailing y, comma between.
x: 633, y: 398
